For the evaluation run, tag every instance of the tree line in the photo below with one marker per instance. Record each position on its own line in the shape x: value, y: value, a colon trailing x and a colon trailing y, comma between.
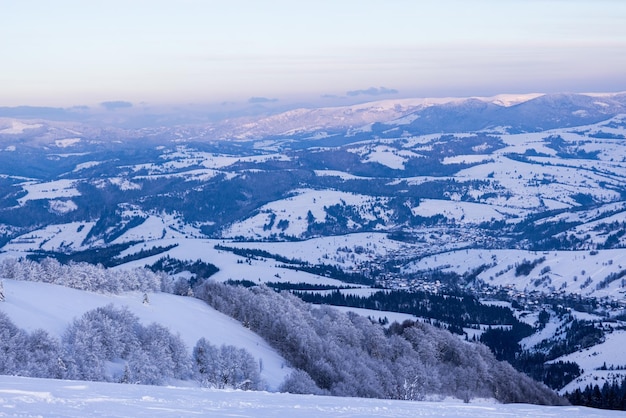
x: 109, y: 344
x: 348, y: 355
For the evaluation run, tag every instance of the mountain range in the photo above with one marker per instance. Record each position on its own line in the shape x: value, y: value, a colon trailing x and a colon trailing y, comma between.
x: 516, y: 201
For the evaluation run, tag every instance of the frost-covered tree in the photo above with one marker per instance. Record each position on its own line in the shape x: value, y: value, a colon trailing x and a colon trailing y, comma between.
x: 300, y: 382
x: 206, y: 366
x: 2, y: 297
x: 181, y: 287
x: 12, y: 343
x: 166, y: 350
x: 21, y: 354
x: 100, y: 335
x: 347, y: 355
x: 226, y: 367
x: 82, y: 276
x: 43, y: 356
x: 142, y: 369
x: 152, y: 354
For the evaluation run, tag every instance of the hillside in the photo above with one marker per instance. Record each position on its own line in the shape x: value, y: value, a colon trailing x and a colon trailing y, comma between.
x: 514, y: 201
x: 32, y: 306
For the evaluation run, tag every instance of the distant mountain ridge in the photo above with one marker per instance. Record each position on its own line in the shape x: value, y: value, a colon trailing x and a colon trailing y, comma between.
x: 513, y: 113
x: 521, y: 199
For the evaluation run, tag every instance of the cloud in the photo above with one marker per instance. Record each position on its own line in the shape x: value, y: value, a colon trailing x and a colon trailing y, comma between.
x: 117, y: 104
x: 255, y: 100
x: 372, y: 91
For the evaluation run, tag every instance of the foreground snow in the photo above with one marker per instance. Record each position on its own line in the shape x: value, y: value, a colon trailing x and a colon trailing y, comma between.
x: 25, y: 397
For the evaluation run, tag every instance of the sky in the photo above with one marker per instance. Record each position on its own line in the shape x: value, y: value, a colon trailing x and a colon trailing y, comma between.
x: 76, y: 52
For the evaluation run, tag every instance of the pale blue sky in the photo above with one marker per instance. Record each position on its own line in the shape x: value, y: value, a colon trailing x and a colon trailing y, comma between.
x: 71, y: 52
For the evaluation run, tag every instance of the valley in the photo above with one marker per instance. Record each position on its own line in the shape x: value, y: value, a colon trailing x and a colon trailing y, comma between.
x: 519, y: 204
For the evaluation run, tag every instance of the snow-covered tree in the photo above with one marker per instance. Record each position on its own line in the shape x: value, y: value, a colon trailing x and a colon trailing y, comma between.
x: 206, y: 366
x: 12, y: 346
x: 44, y: 356
x: 226, y: 367
x: 82, y: 276
x: 300, y: 382
x: 349, y: 356
x: 166, y: 350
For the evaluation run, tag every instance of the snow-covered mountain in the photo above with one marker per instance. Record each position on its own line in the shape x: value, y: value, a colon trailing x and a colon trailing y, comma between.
x: 515, y: 198
x: 385, y: 118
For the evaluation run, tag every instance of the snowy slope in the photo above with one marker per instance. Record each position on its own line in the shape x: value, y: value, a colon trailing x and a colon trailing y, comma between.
x: 571, y: 272
x: 20, y: 397
x: 294, y: 210
x: 609, y: 353
x: 50, y: 307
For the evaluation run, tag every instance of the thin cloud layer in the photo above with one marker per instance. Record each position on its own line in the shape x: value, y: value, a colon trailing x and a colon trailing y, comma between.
x: 116, y: 104
x: 372, y: 91
x: 257, y: 100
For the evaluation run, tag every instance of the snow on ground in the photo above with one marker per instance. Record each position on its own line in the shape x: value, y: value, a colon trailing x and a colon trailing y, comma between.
x: 67, y: 142
x: 51, y: 238
x: 345, y: 250
x: 122, y: 183
x: 467, y: 159
x: 186, y: 157
x: 62, y: 206
x: 152, y: 228
x: 200, y: 175
x: 378, y: 315
x: 294, y: 210
x: 27, y: 397
x: 86, y: 165
x: 51, y: 307
x: 575, y: 272
x: 609, y: 353
x: 548, y: 331
x: 49, y: 190
x: 593, y: 378
x: 18, y: 127
x: 507, y: 100
x: 341, y: 174
x: 464, y: 212
x: 384, y: 155
x: 232, y: 267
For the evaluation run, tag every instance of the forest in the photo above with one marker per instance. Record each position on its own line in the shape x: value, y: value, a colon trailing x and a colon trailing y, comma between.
x: 349, y: 355
x: 332, y: 353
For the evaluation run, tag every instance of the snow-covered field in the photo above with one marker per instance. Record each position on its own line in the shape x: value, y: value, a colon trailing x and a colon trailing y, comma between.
x: 294, y: 211
x: 26, y: 397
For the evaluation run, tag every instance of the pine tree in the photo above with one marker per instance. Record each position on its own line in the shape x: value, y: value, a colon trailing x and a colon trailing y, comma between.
x: 2, y: 298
